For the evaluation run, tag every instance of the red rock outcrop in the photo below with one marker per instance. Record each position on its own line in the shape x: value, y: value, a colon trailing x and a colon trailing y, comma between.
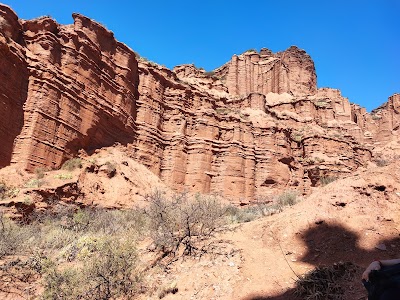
x: 291, y: 71
x: 13, y: 82
x: 80, y: 91
x: 250, y: 128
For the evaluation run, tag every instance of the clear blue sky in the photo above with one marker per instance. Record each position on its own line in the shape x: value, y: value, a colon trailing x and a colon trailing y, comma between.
x: 355, y: 44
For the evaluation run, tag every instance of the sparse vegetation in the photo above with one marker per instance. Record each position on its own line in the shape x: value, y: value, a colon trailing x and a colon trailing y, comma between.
x: 223, y: 111
x: 63, y: 176
x: 7, y: 191
x: 324, y: 180
x: 324, y: 282
x: 83, y: 254
x: 108, y: 272
x: 111, y: 169
x: 72, y: 164
x: 91, y: 253
x: 287, y: 198
x: 246, y: 214
x: 296, y: 136
x: 40, y: 173
x: 12, y: 236
x: 34, y: 183
x: 321, y: 104
x: 381, y: 162
x: 181, y: 224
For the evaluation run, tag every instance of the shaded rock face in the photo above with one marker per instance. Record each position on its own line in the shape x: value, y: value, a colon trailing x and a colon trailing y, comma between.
x: 71, y: 87
x: 251, y: 128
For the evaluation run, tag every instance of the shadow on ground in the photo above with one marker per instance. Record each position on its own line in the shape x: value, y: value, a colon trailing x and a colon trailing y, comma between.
x: 328, y: 244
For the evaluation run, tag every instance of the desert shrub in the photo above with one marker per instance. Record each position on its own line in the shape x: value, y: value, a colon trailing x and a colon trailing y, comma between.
x: 62, y: 284
x: 321, y: 104
x: 34, y: 183
x: 251, y: 212
x: 111, y: 169
x: 327, y: 180
x: 381, y: 162
x: 63, y: 176
x: 72, y: 164
x: 3, y: 190
x: 108, y: 273
x: 210, y: 73
x: 180, y: 223
x: 325, y: 282
x: 12, y: 236
x: 40, y: 173
x: 287, y: 198
x: 16, y: 274
x: 113, y: 271
x: 164, y: 291
x: 55, y: 237
x: 7, y: 191
x: 133, y: 222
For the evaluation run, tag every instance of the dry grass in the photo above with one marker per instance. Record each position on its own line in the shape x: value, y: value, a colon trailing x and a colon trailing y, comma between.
x: 325, y: 282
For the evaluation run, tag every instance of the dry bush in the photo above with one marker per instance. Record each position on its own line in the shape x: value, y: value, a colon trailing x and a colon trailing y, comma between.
x: 12, y: 237
x: 249, y: 213
x: 327, y: 180
x: 7, y: 191
x: 17, y: 277
x: 325, y: 282
x: 108, y: 272
x: 182, y: 224
x: 287, y: 198
x: 381, y: 162
x: 72, y: 164
x: 40, y: 172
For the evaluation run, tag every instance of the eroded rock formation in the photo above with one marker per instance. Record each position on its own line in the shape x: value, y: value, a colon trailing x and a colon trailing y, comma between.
x: 250, y: 128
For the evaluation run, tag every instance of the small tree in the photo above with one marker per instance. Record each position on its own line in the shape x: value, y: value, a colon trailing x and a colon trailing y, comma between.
x: 180, y: 223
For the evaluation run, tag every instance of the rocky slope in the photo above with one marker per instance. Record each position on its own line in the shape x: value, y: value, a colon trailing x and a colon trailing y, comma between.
x: 252, y: 127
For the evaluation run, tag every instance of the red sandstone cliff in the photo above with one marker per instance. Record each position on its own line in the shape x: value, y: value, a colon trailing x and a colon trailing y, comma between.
x: 256, y: 125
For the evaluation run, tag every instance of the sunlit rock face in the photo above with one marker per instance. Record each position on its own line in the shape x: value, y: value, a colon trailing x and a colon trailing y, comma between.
x: 251, y: 128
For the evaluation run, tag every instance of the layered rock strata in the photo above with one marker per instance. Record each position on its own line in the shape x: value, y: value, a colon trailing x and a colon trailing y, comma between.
x: 251, y: 128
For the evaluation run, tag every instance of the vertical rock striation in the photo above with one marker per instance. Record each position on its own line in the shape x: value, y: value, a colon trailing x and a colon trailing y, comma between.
x: 248, y: 129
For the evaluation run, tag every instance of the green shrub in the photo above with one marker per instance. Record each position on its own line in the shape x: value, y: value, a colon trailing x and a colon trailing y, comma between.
x: 72, y: 164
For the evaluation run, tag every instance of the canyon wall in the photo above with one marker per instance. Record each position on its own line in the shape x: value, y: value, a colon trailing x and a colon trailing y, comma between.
x: 251, y: 128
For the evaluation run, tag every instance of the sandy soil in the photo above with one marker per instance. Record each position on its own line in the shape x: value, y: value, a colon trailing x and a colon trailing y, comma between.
x: 353, y: 219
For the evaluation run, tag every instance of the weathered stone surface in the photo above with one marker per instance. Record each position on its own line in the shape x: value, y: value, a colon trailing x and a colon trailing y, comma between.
x: 251, y: 128
x: 291, y: 71
x: 81, y: 91
x: 13, y: 83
